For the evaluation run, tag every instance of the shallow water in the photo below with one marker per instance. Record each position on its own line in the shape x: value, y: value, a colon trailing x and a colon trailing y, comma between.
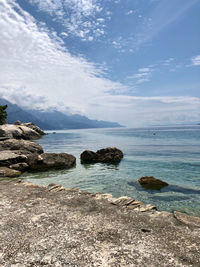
x: 168, y: 153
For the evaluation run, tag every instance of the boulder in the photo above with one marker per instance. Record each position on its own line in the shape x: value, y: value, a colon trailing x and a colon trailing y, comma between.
x: 150, y: 182
x: 34, y: 127
x: 19, y: 132
x: 6, y: 172
x: 22, y: 146
x: 8, y: 158
x: 22, y: 166
x: 47, y: 161
x: 107, y: 155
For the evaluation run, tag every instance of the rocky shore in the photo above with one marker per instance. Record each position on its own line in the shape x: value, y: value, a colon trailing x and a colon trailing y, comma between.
x: 55, y: 226
x: 19, y: 153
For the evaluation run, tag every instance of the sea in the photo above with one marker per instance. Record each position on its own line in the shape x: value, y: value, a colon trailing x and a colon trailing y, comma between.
x: 168, y: 153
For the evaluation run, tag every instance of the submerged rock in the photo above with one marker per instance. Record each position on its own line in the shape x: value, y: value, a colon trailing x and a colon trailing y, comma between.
x: 6, y: 172
x: 150, y: 182
x: 107, y: 155
x: 47, y: 161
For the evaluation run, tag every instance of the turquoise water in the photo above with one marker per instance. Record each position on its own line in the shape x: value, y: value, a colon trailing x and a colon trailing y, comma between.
x: 169, y: 153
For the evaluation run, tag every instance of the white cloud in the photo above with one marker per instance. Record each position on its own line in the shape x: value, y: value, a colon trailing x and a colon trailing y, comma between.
x: 130, y: 12
x: 79, y: 17
x: 31, y: 60
x: 196, y: 61
x: 143, y: 75
x: 144, y: 111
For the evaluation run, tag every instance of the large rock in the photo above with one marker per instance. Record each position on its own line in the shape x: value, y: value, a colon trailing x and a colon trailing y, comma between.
x: 20, y: 131
x: 107, y: 155
x: 6, y: 172
x: 150, y: 182
x: 8, y: 158
x: 24, y: 146
x: 47, y: 161
x: 18, y: 154
x: 34, y: 127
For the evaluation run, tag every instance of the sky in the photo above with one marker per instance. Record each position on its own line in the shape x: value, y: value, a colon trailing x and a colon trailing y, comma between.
x: 136, y: 62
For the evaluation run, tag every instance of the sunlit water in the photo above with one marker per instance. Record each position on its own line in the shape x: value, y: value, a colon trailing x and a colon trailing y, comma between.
x: 171, y: 154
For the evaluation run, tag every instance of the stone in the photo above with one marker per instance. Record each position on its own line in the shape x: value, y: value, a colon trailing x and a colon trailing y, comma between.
x: 106, y: 155
x: 123, y: 201
x: 150, y: 182
x: 25, y: 146
x: 145, y: 208
x: 20, y: 131
x: 22, y: 166
x: 6, y: 172
x: 47, y: 161
x: 34, y: 127
x: 187, y: 219
x: 8, y: 157
x: 89, y: 157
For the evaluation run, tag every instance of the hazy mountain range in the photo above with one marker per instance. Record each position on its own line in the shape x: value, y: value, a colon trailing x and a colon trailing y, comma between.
x: 52, y: 120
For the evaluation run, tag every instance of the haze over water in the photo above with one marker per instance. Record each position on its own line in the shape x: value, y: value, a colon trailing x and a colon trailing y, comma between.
x: 169, y: 153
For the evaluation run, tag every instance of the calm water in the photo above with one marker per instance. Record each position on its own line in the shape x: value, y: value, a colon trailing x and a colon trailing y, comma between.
x: 171, y: 154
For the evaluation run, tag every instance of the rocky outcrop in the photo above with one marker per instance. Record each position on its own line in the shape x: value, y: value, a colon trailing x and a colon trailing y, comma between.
x: 47, y: 161
x: 21, y: 146
x: 6, y: 172
x: 27, y: 131
x: 22, y: 155
x: 8, y: 158
x: 107, y: 155
x: 150, y: 182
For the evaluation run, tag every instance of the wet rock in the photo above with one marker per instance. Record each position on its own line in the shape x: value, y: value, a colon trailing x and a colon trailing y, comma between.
x: 22, y: 131
x: 107, y: 155
x: 47, y: 161
x: 186, y: 219
x: 6, y: 172
x: 150, y: 182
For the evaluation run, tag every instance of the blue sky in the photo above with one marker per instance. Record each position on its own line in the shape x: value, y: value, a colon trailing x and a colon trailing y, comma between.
x: 132, y: 61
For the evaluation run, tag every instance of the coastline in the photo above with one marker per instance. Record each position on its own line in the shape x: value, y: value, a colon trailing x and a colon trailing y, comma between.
x: 53, y: 225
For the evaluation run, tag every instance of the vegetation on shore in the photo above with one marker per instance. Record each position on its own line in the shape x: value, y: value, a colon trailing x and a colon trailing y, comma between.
x: 3, y: 114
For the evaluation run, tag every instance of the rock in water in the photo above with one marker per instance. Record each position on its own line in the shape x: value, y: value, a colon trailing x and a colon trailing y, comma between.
x: 6, y: 172
x: 47, y: 161
x: 150, y: 182
x: 106, y: 155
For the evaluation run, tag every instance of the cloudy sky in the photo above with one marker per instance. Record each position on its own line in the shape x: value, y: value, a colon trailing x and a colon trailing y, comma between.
x: 136, y: 62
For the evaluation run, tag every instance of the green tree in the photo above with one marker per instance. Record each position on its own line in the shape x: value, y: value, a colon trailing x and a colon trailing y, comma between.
x: 3, y: 114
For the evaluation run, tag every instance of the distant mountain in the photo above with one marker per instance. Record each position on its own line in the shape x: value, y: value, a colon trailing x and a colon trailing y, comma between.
x: 53, y: 120
x: 16, y: 113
